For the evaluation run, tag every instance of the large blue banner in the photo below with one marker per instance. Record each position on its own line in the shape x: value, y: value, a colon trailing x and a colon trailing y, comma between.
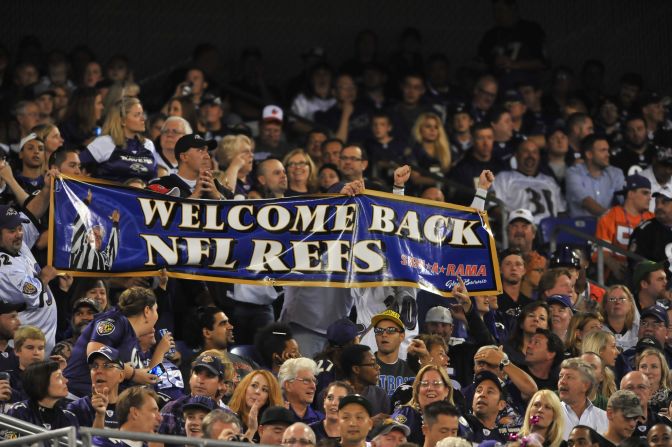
x: 373, y: 239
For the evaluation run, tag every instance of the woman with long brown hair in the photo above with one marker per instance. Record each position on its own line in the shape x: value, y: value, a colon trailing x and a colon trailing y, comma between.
x: 257, y: 391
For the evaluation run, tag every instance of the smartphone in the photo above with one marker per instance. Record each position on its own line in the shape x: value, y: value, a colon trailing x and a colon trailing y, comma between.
x: 158, y: 370
x: 4, y: 375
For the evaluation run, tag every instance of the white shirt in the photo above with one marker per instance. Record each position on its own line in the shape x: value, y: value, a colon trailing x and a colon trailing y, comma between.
x: 592, y: 417
x: 540, y: 193
x: 20, y: 284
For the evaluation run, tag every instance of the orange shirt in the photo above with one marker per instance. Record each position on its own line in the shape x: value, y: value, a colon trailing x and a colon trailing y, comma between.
x: 616, y: 226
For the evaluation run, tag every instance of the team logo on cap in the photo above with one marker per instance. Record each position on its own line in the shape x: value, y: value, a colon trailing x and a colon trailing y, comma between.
x: 207, y: 359
x: 105, y: 327
x: 401, y: 419
x: 11, y: 212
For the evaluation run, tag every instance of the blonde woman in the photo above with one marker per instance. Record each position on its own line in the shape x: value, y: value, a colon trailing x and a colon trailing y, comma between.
x: 301, y: 173
x: 257, y: 391
x: 122, y: 151
x: 606, y: 381
x: 117, y: 91
x: 235, y: 158
x: 603, y: 344
x: 545, y: 417
x: 50, y: 136
x: 620, y: 315
x: 431, y: 384
x: 581, y: 324
x: 431, y: 149
x: 652, y: 363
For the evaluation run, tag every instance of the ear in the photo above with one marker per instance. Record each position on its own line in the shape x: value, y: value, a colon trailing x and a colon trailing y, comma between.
x: 501, y: 404
x: 206, y: 333
x: 424, y: 429
x: 365, y: 163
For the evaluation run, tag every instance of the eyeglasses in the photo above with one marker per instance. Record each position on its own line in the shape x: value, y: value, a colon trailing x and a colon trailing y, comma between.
x: 652, y: 324
x: 297, y: 164
x: 432, y: 384
x: 305, y: 380
x: 386, y: 330
x: 301, y: 441
x: 105, y: 366
x: 171, y: 132
x: 616, y: 299
x: 345, y: 158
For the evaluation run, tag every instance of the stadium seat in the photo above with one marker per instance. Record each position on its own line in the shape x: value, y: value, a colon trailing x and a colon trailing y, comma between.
x: 585, y: 225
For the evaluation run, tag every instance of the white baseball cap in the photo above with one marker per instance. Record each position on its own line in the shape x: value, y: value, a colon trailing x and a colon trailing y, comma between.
x: 521, y: 213
x: 272, y: 113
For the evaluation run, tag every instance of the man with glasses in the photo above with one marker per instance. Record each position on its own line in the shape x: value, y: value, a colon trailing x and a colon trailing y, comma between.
x: 617, y: 224
x: 194, y: 173
x: 98, y: 409
x: 352, y: 162
x: 653, y: 323
x: 207, y: 379
x: 298, y: 383
x: 172, y: 130
x: 623, y: 411
x: 354, y: 418
x: 640, y: 385
x: 298, y: 435
x: 389, y: 331
x: 361, y: 369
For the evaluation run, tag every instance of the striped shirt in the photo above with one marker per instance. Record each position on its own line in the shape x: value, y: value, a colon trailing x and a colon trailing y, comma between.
x: 84, y: 255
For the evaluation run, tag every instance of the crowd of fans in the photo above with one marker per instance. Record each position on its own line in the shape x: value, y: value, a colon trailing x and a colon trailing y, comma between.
x: 556, y: 359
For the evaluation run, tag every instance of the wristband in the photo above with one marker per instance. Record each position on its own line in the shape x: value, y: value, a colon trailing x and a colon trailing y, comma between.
x: 398, y: 187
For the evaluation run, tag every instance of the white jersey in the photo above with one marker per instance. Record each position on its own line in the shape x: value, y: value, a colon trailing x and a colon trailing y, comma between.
x: 20, y: 284
x: 539, y: 194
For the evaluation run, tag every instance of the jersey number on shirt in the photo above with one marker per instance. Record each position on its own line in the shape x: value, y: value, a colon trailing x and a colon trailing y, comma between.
x: 536, y: 199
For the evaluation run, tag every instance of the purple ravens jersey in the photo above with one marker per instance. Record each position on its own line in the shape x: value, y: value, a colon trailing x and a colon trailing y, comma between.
x: 110, y: 328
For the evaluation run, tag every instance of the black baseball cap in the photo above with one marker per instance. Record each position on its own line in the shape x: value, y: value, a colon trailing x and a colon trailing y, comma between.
x: 190, y: 141
x: 277, y: 415
x: 199, y: 402
x: 487, y: 375
x: 356, y: 399
x: 209, y: 362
